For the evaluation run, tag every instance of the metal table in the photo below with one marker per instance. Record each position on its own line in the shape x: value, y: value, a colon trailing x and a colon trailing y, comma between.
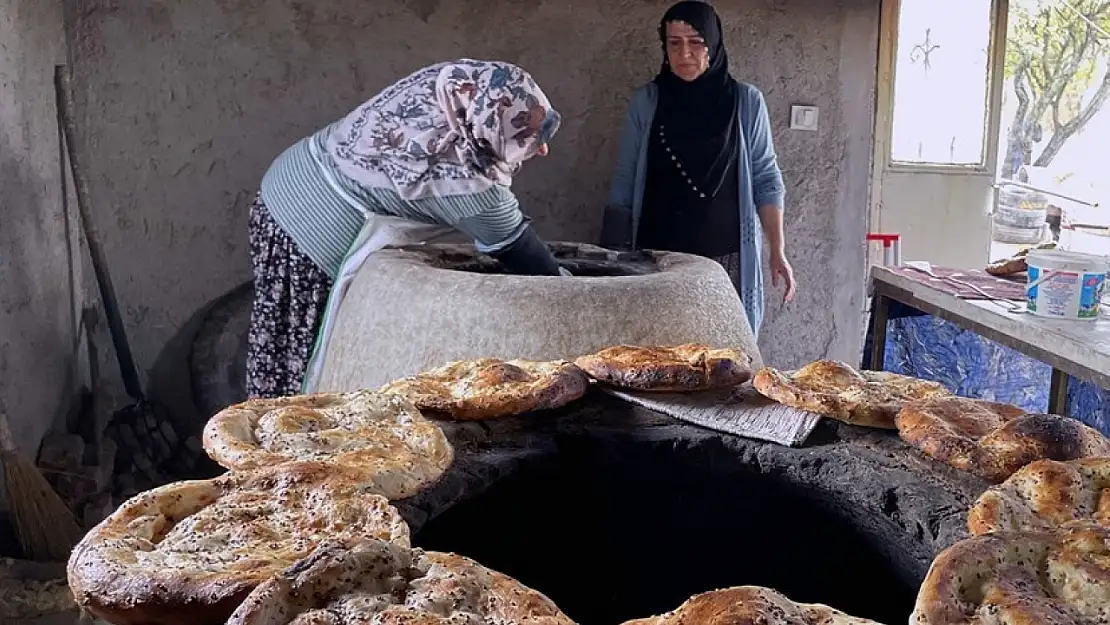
x: 1077, y: 348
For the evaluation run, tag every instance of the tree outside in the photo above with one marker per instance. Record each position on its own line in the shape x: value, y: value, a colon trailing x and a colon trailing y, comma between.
x: 1056, y: 53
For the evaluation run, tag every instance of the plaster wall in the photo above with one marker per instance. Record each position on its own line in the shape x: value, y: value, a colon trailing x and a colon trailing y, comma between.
x: 36, y: 322
x: 184, y: 104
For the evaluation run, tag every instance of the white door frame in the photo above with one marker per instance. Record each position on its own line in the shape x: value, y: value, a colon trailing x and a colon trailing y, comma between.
x: 882, y: 162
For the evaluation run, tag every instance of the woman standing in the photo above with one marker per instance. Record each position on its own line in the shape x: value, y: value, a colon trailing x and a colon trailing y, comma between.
x: 697, y: 165
x: 434, y: 152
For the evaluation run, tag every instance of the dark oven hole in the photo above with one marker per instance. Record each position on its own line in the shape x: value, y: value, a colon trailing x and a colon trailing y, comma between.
x: 610, y: 538
x: 593, y: 262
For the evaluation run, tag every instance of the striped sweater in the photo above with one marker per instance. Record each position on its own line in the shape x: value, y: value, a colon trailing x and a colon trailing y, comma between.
x: 322, y: 209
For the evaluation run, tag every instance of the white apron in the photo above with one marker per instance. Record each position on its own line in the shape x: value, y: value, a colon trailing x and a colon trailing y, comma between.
x: 380, y: 231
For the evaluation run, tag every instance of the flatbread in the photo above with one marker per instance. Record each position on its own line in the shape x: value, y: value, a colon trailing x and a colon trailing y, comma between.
x: 383, y: 437
x: 188, y: 553
x: 835, y: 390
x: 1018, y: 263
x: 488, y: 388
x: 1007, y: 267
x: 384, y: 584
x: 744, y: 605
x: 994, y: 440
x: 1043, y: 495
x: 679, y: 368
x: 1059, y: 577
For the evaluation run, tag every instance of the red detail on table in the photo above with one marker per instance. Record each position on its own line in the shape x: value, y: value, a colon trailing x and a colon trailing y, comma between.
x: 887, y: 239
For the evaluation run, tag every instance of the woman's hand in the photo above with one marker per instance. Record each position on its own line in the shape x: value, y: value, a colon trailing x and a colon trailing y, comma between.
x: 781, y: 270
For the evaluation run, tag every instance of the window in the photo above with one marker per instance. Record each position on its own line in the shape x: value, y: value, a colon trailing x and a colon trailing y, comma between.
x: 941, y: 82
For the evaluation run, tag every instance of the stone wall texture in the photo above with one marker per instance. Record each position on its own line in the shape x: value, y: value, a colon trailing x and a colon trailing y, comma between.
x: 36, y: 323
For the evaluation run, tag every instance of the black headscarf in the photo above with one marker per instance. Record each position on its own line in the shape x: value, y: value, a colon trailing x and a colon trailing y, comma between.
x: 700, y: 115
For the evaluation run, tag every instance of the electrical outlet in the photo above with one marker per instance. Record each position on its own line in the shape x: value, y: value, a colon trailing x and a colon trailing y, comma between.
x: 803, y: 118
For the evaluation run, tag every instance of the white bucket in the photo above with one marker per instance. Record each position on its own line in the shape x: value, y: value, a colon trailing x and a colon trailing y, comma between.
x: 1065, y: 285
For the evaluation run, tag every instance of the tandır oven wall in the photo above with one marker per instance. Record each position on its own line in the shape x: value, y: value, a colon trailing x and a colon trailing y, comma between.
x: 185, y: 103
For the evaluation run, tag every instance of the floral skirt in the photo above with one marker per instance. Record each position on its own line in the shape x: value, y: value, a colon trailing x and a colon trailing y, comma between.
x: 731, y: 263
x: 290, y: 295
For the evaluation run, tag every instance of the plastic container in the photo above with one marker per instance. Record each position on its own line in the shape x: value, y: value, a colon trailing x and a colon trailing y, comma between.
x: 1017, y: 197
x: 1065, y: 285
x: 1010, y: 234
x: 1028, y: 218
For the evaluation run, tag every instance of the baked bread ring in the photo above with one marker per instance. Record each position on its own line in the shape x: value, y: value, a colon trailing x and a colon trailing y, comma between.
x: 1043, y: 495
x: 676, y: 369
x: 994, y: 440
x: 488, y: 388
x: 744, y: 605
x: 384, y: 438
x: 188, y: 553
x: 835, y: 390
x: 1059, y: 577
x: 385, y: 584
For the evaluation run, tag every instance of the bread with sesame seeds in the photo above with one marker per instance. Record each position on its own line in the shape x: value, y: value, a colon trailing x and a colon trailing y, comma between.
x: 385, y: 438
x: 1043, y: 495
x: 188, y: 553
x: 743, y: 605
x: 672, y: 369
x: 835, y: 390
x: 382, y: 583
x: 489, y: 388
x: 993, y: 440
x: 1052, y: 577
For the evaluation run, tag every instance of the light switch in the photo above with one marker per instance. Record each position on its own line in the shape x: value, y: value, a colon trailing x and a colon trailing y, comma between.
x: 803, y: 117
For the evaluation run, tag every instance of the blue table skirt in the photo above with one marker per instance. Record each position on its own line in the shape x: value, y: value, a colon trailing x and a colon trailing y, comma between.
x: 931, y: 348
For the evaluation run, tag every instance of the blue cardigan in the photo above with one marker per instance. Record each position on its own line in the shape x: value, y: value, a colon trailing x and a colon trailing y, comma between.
x: 760, y: 185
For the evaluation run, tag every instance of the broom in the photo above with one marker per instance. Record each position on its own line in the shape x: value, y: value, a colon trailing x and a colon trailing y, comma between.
x: 44, y: 525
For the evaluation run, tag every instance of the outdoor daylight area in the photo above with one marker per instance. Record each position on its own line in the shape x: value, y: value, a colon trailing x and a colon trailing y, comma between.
x: 1055, y: 123
x: 941, y: 88
x: 1049, y: 128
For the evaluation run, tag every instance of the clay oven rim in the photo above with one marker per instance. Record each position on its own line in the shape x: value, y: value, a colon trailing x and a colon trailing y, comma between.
x: 470, y: 266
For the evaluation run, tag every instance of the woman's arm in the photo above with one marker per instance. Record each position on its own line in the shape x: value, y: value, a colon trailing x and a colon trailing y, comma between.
x: 616, y: 225
x: 770, y: 217
x: 502, y: 231
x: 528, y: 255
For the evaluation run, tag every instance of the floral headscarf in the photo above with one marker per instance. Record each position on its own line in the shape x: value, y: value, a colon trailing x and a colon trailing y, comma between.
x: 448, y: 129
